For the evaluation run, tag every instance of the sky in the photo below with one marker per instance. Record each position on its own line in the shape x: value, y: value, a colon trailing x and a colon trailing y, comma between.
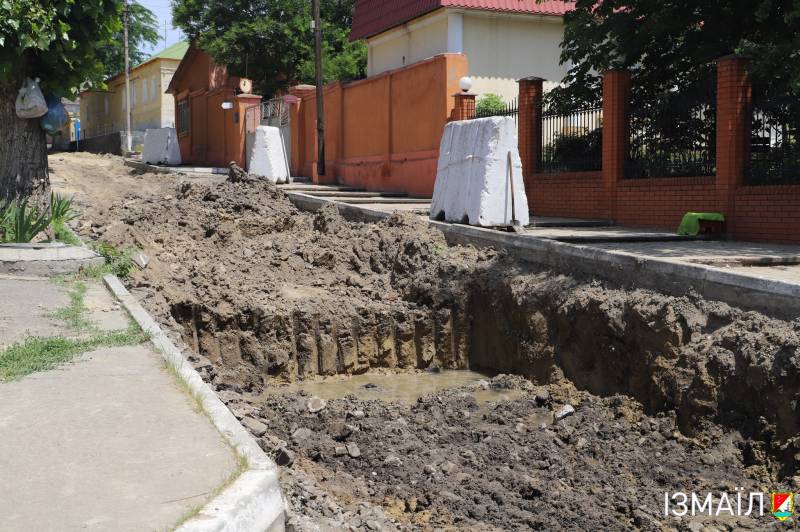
x: 163, y: 12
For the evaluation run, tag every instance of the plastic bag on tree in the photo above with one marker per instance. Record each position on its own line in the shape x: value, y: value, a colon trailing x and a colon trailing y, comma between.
x: 56, y: 117
x: 30, y: 100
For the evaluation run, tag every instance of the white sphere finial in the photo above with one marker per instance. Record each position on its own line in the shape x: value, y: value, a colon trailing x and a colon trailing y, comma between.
x: 465, y: 83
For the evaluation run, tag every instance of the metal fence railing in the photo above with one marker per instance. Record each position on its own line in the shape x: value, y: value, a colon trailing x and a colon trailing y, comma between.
x: 673, y: 137
x: 571, y: 142
x: 509, y: 109
x: 774, y: 141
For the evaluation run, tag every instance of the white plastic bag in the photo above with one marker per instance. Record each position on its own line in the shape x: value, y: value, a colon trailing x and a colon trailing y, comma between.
x: 30, y: 100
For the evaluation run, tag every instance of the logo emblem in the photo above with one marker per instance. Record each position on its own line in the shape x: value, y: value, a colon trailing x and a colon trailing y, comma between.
x: 782, y: 505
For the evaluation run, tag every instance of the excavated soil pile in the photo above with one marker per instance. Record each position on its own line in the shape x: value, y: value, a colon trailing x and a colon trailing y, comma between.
x: 449, y: 461
x: 262, y: 293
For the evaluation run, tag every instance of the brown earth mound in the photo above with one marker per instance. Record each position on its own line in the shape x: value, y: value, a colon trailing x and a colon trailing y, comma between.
x: 263, y: 293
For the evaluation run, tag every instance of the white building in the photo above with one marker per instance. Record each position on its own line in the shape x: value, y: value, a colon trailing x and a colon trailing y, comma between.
x: 504, y: 40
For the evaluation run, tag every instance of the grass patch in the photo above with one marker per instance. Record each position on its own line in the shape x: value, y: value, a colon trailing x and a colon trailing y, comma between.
x: 74, y: 315
x: 62, y: 233
x: 41, y: 354
x: 118, y: 262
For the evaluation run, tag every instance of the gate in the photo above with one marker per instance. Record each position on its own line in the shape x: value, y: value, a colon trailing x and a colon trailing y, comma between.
x: 275, y: 113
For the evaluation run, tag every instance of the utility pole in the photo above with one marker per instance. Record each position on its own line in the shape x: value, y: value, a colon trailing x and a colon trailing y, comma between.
x: 127, y: 83
x: 320, y: 107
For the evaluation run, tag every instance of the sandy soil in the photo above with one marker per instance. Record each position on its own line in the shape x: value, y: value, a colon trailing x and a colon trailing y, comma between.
x: 670, y: 394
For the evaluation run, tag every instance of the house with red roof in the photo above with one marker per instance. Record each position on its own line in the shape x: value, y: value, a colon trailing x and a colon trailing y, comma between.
x: 504, y: 40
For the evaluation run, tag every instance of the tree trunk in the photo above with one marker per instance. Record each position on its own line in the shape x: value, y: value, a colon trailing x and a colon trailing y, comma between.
x: 23, y: 151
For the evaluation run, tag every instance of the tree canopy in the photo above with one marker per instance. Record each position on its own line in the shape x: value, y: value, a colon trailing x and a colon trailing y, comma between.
x: 671, y: 45
x: 58, y: 41
x: 142, y: 30
x: 271, y: 41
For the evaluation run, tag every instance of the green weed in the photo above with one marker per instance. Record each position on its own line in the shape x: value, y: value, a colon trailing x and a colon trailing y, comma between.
x: 74, y: 315
x: 41, y: 354
x: 118, y: 262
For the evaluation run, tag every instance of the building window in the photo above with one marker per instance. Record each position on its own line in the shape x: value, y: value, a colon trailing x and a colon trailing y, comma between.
x: 144, y: 91
x: 183, y: 116
x: 155, y: 89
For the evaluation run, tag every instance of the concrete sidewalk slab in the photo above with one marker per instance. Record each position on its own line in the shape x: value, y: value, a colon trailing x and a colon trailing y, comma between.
x: 39, y: 298
x: 590, y: 234
x: 108, y: 442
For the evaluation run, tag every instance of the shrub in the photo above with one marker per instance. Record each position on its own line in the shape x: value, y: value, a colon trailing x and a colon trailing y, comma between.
x: 575, y: 153
x: 490, y: 105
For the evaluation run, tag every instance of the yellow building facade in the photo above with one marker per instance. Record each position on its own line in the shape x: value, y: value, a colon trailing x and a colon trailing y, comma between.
x: 103, y: 111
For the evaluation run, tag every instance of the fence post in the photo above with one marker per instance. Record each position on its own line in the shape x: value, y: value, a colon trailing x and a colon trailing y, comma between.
x: 465, y: 106
x: 616, y: 99
x: 529, y: 125
x: 733, y: 131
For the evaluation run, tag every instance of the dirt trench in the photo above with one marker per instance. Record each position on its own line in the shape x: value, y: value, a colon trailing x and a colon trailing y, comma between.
x: 264, y: 294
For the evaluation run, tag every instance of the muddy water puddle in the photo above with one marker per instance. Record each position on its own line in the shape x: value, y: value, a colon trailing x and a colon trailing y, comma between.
x: 401, y: 387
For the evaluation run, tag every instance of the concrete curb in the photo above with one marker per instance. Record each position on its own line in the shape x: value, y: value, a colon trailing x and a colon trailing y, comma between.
x: 189, y: 170
x: 307, y: 202
x: 46, y: 261
x: 254, y: 501
x: 772, y: 297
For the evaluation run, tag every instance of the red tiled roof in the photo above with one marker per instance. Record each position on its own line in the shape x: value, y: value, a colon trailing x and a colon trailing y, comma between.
x: 374, y: 16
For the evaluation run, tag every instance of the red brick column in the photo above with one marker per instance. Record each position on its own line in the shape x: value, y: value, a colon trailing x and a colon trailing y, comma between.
x: 733, y: 131
x: 465, y: 106
x: 529, y: 124
x: 616, y: 98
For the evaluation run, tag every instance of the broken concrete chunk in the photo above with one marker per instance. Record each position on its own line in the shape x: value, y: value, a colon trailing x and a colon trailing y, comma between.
x: 316, y: 404
x: 256, y: 427
x: 392, y: 461
x: 353, y: 450
x: 340, y: 450
x: 302, y: 434
x: 447, y: 466
x: 141, y: 260
x: 564, y: 411
x: 356, y: 414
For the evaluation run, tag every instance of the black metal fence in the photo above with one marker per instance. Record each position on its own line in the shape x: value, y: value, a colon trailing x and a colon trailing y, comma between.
x: 571, y: 142
x: 774, y: 141
x: 507, y: 109
x: 673, y: 136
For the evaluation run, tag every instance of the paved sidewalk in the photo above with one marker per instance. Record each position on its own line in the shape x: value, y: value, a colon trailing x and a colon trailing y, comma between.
x: 108, y: 441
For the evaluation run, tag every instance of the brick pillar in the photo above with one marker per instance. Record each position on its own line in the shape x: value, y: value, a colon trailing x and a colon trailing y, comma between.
x: 465, y: 106
x: 616, y: 98
x: 733, y: 131
x: 295, y: 144
x: 529, y: 136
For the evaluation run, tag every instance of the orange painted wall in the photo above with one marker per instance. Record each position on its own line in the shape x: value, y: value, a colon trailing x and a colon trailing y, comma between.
x: 381, y: 133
